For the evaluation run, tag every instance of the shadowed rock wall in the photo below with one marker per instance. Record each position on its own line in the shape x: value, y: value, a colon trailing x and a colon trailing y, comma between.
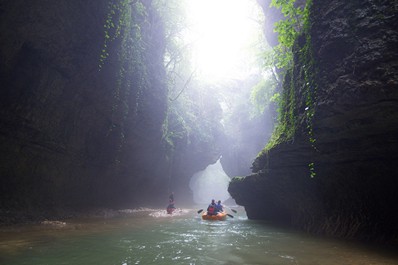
x: 71, y: 134
x: 83, y: 109
x: 355, y: 125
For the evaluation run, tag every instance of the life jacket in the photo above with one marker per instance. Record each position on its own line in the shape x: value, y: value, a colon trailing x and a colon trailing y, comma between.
x: 211, y: 209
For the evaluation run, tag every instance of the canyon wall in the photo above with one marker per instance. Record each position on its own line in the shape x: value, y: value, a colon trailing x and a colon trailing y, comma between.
x: 83, y: 107
x: 338, y: 174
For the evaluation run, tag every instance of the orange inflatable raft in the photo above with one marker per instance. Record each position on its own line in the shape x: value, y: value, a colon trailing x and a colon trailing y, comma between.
x: 218, y: 217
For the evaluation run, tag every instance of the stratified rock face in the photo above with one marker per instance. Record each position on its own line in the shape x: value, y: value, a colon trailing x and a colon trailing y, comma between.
x: 353, y: 193
x: 71, y: 134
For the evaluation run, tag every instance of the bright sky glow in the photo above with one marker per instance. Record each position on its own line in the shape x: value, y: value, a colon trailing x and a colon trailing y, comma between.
x: 221, y: 33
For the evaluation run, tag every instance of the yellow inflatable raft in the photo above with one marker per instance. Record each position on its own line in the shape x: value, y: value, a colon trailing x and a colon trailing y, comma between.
x: 219, y: 216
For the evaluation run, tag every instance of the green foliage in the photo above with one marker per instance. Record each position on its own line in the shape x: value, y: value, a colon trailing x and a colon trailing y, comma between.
x: 177, y: 125
x: 288, y: 30
x: 275, y: 98
x: 139, y: 9
x: 296, y: 22
x: 174, y: 20
x: 311, y: 167
x: 116, y: 27
x: 194, y: 114
x: 177, y: 54
x: 262, y: 94
x: 124, y: 35
x: 175, y: 129
x: 193, y: 121
x: 306, y: 58
x: 117, y: 20
x: 286, y: 125
x: 281, y: 57
x: 237, y: 179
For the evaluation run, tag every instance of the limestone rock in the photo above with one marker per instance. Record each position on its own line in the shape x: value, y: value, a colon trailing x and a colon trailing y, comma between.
x: 355, y: 159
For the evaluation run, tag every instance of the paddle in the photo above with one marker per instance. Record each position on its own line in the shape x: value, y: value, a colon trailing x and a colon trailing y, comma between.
x: 230, y: 215
x: 201, y: 210
x: 230, y: 209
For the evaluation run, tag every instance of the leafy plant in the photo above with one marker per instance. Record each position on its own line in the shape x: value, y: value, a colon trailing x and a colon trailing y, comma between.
x: 296, y: 22
x: 286, y: 125
x: 126, y: 28
x: 288, y: 30
x: 306, y: 57
x: 117, y: 20
x: 262, y: 94
x: 279, y: 62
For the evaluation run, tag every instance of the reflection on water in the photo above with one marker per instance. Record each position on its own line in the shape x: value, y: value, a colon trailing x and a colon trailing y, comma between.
x: 153, y: 237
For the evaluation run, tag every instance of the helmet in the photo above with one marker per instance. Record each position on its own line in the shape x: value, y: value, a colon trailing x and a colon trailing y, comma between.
x: 212, y: 200
x: 219, y: 201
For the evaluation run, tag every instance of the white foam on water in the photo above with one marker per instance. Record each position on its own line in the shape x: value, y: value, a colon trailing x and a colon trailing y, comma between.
x: 163, y: 213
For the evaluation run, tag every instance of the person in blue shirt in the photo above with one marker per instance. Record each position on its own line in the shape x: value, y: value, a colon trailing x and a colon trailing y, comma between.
x: 219, y: 207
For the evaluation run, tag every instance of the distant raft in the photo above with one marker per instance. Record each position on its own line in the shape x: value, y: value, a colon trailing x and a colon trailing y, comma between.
x: 222, y: 216
x: 170, y: 210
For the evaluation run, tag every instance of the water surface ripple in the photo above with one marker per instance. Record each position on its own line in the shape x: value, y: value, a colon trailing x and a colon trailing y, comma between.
x: 152, y: 237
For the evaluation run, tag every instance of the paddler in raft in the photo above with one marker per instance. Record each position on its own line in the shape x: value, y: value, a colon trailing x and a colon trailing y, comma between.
x: 171, y: 196
x: 219, y: 207
x: 211, y: 209
x: 170, y: 208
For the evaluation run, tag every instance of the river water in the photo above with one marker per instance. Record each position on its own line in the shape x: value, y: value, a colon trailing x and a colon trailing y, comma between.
x: 153, y: 237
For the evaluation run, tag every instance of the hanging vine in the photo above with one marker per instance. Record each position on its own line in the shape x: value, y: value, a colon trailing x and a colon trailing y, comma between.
x: 288, y: 30
x: 296, y: 22
x: 306, y: 56
x: 123, y: 31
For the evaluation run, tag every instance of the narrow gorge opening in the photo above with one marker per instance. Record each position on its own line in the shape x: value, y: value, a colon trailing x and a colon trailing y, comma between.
x: 111, y: 105
x: 216, y: 68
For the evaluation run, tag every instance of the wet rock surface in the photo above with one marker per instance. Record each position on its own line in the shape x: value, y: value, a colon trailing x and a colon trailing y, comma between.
x: 355, y: 159
x: 78, y: 130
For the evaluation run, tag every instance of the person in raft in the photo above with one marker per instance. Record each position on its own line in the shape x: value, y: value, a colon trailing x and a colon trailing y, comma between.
x: 171, y: 197
x: 211, y: 209
x: 219, y: 207
x: 170, y: 207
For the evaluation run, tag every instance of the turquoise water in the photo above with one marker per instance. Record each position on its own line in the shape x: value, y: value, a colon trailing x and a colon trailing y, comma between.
x: 153, y: 237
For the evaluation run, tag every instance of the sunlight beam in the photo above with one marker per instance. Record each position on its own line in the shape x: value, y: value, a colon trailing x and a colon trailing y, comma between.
x: 222, y: 33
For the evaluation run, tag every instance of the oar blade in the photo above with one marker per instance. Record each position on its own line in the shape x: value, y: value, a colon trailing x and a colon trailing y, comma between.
x: 230, y: 215
x: 234, y: 211
x: 201, y: 210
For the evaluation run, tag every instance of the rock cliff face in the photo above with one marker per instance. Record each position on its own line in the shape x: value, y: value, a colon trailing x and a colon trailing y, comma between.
x: 354, y: 160
x: 71, y: 134
x: 83, y: 103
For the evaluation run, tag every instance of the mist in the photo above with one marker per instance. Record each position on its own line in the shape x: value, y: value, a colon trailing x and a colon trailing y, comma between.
x: 213, y: 92
x: 211, y: 183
